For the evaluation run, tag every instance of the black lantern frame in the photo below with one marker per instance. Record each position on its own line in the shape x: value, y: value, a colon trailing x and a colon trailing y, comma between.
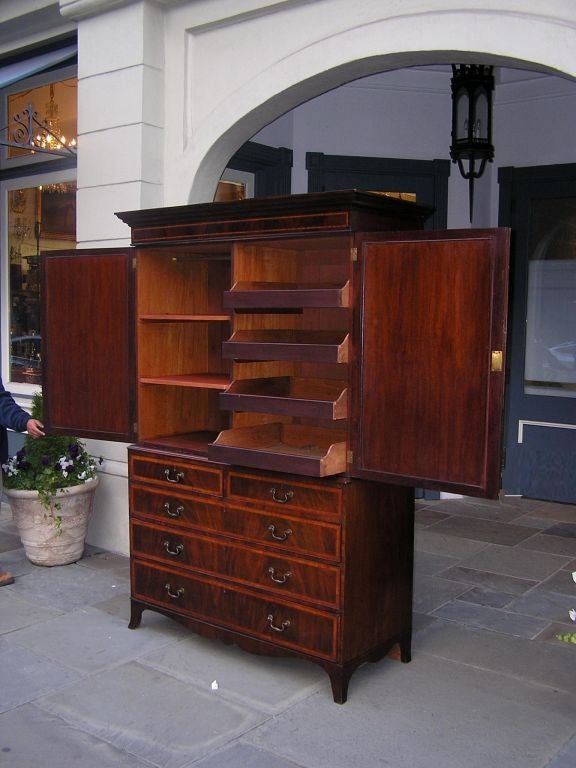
x: 472, y: 148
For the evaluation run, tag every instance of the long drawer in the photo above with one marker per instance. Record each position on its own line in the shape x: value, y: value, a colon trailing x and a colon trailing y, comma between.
x: 280, y: 531
x: 288, y: 576
x: 283, y: 623
x: 285, y: 493
x: 175, y: 473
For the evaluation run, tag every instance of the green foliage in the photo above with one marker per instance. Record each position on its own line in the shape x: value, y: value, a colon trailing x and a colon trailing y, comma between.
x: 48, y: 464
x: 569, y: 637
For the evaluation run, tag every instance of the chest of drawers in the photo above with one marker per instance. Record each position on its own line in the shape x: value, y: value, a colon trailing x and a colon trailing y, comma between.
x: 277, y: 564
x: 288, y: 370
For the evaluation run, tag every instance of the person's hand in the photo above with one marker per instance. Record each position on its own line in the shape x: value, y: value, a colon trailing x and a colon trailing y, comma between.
x: 35, y: 428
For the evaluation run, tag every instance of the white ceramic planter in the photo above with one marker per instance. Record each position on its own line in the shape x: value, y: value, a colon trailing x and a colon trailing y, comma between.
x: 43, y: 542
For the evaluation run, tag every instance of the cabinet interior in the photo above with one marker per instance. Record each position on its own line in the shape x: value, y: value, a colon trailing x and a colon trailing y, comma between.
x: 180, y: 327
x: 245, y: 348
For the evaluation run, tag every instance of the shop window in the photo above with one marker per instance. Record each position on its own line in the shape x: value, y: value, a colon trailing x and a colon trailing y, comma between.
x: 38, y: 207
x: 40, y: 218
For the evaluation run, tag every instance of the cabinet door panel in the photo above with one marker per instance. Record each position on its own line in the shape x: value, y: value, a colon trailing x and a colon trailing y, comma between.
x: 428, y: 391
x: 87, y: 343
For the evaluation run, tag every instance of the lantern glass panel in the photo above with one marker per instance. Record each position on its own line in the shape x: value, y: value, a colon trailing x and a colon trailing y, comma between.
x: 462, y: 116
x: 480, y: 126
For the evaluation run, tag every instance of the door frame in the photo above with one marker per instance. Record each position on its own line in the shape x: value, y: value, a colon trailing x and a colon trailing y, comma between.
x: 512, y: 181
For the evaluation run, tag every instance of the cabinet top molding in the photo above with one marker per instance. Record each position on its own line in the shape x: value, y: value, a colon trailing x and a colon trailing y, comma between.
x: 343, y: 211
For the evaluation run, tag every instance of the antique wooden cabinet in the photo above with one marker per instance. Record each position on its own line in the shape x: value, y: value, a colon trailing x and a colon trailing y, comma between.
x: 288, y: 370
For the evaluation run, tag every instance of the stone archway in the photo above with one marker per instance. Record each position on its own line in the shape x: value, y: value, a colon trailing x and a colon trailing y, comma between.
x: 223, y: 105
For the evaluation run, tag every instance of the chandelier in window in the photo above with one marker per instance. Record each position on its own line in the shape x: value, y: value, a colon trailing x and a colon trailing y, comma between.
x: 27, y: 132
x: 50, y: 136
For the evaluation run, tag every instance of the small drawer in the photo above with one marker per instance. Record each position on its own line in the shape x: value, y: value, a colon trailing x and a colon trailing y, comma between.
x: 177, y: 474
x: 166, y: 506
x: 264, y: 528
x: 280, y: 622
x: 284, y: 493
x: 289, y: 576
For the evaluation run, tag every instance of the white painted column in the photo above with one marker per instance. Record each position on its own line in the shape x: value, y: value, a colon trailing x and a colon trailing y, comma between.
x: 120, y: 119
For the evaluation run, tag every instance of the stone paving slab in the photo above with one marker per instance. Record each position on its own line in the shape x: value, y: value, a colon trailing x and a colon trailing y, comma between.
x: 537, y: 663
x: 25, y: 675
x: 30, y: 737
x: 562, y: 581
x: 262, y: 683
x: 16, y: 613
x: 8, y: 541
x: 488, y: 580
x: 503, y: 513
x: 567, y: 756
x: 88, y: 640
x: 431, y: 592
x: 151, y: 715
x: 431, y: 712
x: 107, y: 561
x: 494, y: 619
x: 246, y: 756
x: 539, y: 602
x: 490, y: 597
x: 427, y: 563
x: 16, y: 562
x: 68, y: 587
x: 427, y: 540
x: 545, y: 542
x: 479, y: 529
x: 514, y: 561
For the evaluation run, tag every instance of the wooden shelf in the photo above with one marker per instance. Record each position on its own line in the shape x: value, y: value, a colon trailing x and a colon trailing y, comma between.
x: 191, y: 442
x: 306, y: 346
x: 301, y: 450
x: 313, y: 398
x: 196, y: 380
x: 173, y: 318
x: 249, y: 295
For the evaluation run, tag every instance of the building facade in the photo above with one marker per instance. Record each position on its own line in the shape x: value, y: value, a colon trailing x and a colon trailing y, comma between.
x: 170, y: 90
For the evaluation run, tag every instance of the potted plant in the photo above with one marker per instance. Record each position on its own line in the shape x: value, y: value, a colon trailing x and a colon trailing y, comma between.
x: 50, y: 484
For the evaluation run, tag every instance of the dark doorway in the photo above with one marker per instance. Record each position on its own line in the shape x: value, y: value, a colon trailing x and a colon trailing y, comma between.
x: 539, y: 203
x: 425, y: 180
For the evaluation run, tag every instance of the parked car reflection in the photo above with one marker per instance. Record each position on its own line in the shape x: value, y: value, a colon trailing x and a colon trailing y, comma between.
x: 25, y: 359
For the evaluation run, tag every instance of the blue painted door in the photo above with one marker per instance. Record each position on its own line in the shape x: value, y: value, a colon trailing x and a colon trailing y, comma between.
x: 540, y: 205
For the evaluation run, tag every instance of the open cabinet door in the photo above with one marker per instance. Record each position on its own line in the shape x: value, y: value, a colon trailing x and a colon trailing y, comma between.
x: 87, y: 344
x: 431, y: 337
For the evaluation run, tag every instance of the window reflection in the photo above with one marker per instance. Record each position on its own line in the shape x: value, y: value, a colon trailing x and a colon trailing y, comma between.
x: 39, y: 219
x: 550, y: 367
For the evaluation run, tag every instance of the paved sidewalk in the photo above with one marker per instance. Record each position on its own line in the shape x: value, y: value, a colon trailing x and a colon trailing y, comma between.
x: 489, y: 686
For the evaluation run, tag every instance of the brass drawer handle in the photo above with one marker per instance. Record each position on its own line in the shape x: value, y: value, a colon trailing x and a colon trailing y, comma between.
x: 178, y: 549
x: 174, y: 595
x: 173, y: 476
x: 279, y: 537
x: 282, y: 628
x: 173, y: 512
x: 287, y: 494
x: 282, y: 579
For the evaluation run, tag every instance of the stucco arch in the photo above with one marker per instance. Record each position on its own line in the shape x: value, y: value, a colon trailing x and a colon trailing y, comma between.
x: 282, y: 76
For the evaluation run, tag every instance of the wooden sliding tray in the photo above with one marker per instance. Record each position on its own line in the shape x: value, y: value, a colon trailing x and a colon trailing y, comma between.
x: 300, y: 450
x: 313, y: 398
x: 306, y: 346
x: 248, y: 295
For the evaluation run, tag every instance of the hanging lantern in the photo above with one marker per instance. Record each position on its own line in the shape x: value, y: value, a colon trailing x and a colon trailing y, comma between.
x: 472, y: 148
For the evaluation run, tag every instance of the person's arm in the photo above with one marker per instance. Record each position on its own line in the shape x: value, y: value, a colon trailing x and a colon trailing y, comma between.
x: 16, y: 418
